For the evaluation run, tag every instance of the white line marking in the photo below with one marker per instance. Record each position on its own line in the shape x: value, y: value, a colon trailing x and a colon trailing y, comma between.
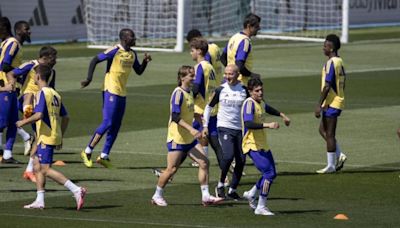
x: 312, y: 44
x: 164, y: 154
x: 347, y: 165
x: 105, y: 220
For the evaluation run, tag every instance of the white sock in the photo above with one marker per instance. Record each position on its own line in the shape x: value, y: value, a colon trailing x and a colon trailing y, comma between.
x: 29, y: 167
x: 25, y: 135
x: 220, y: 184
x: 40, y: 196
x: 103, y: 155
x: 159, y: 192
x: 231, y: 190
x: 72, y: 187
x: 253, y: 191
x: 338, y: 151
x: 88, y: 150
x: 262, y: 200
x: 205, y: 148
x: 204, y: 191
x: 331, y: 157
x: 7, y: 154
x: 1, y: 140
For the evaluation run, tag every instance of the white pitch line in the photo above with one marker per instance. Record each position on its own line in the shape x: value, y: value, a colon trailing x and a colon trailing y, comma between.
x: 347, y: 165
x: 312, y: 44
x: 105, y: 220
x: 374, y: 69
x: 162, y: 153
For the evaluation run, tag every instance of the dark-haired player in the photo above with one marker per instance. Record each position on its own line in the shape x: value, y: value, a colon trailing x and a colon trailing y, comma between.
x: 120, y: 61
x: 238, y: 51
x: 24, y: 77
x: 11, y: 57
x: 331, y: 103
x: 255, y: 143
x: 213, y: 56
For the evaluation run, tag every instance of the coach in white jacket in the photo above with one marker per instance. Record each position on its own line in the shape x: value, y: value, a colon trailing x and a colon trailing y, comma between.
x: 230, y: 96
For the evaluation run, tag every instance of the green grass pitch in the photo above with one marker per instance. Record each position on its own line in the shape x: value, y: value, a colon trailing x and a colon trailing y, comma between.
x: 367, y: 190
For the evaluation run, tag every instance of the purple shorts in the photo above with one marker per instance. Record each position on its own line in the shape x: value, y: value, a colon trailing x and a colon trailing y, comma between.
x: 45, y: 153
x: 181, y: 147
x: 331, y: 112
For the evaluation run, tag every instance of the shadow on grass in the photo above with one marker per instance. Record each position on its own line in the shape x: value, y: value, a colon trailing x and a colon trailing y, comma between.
x: 9, y: 167
x: 95, y: 180
x: 66, y: 153
x: 72, y: 162
x: 370, y: 171
x: 299, y: 212
x: 34, y: 190
x: 296, y: 173
x: 152, y: 168
x: 88, y: 208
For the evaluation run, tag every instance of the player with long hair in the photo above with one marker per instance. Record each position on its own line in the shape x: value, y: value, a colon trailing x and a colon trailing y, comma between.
x: 182, y: 140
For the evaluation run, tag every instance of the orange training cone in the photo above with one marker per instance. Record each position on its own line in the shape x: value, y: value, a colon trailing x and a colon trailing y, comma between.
x: 59, y: 163
x: 341, y: 217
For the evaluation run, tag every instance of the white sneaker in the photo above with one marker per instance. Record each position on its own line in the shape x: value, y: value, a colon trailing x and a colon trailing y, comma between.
x: 340, y: 161
x: 28, y: 145
x: 80, y: 198
x: 252, y: 200
x: 327, y: 169
x: 195, y: 164
x: 211, y: 200
x: 35, y: 205
x: 159, y: 201
x: 263, y: 211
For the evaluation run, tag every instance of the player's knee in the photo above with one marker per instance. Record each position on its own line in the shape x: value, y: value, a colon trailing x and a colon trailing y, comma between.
x: 44, y: 169
x: 270, y: 176
x: 240, y: 161
x: 204, y: 163
x: 171, y: 170
x: 36, y: 168
x: 105, y: 125
x: 330, y: 135
x: 227, y: 158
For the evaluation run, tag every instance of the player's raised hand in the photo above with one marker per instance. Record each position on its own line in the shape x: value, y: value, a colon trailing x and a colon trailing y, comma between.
x: 84, y: 83
x: 147, y: 57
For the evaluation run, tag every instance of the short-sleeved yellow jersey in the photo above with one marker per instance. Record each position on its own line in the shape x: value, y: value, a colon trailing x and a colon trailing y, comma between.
x: 120, y: 67
x: 11, y: 53
x: 239, y: 48
x: 48, y: 129
x: 206, y: 80
x: 182, y: 102
x: 333, y: 72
